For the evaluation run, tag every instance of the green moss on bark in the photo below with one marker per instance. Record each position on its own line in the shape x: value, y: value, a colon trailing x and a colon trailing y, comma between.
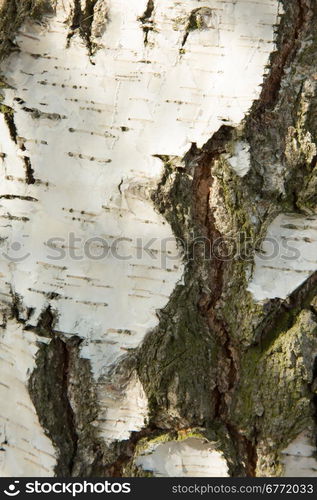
x: 273, y: 401
x: 177, y: 364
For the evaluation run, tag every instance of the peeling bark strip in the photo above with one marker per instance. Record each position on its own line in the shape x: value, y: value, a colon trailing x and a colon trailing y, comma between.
x: 128, y: 130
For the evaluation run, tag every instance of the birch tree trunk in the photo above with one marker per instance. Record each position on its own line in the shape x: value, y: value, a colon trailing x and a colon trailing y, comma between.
x: 158, y: 215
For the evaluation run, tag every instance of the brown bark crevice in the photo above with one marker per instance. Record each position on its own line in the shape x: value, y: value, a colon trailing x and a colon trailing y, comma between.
x: 290, y: 33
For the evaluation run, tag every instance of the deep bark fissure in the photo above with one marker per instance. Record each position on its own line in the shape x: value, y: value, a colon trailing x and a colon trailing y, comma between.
x: 9, y: 119
x: 202, y: 185
x: 77, y: 15
x: 86, y: 24
x: 82, y: 20
x: 287, y: 46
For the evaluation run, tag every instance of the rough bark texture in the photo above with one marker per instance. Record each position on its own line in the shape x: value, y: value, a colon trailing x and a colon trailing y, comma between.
x: 222, y: 365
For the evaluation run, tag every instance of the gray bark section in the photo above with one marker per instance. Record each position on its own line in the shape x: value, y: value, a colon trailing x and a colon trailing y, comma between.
x: 217, y: 362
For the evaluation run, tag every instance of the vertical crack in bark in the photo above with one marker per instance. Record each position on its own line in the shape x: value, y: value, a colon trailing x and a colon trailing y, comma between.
x: 82, y: 20
x: 147, y: 20
x: 86, y: 24
x: 183, y: 197
x: 8, y: 114
x: 77, y: 15
x: 228, y: 356
x: 287, y: 44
